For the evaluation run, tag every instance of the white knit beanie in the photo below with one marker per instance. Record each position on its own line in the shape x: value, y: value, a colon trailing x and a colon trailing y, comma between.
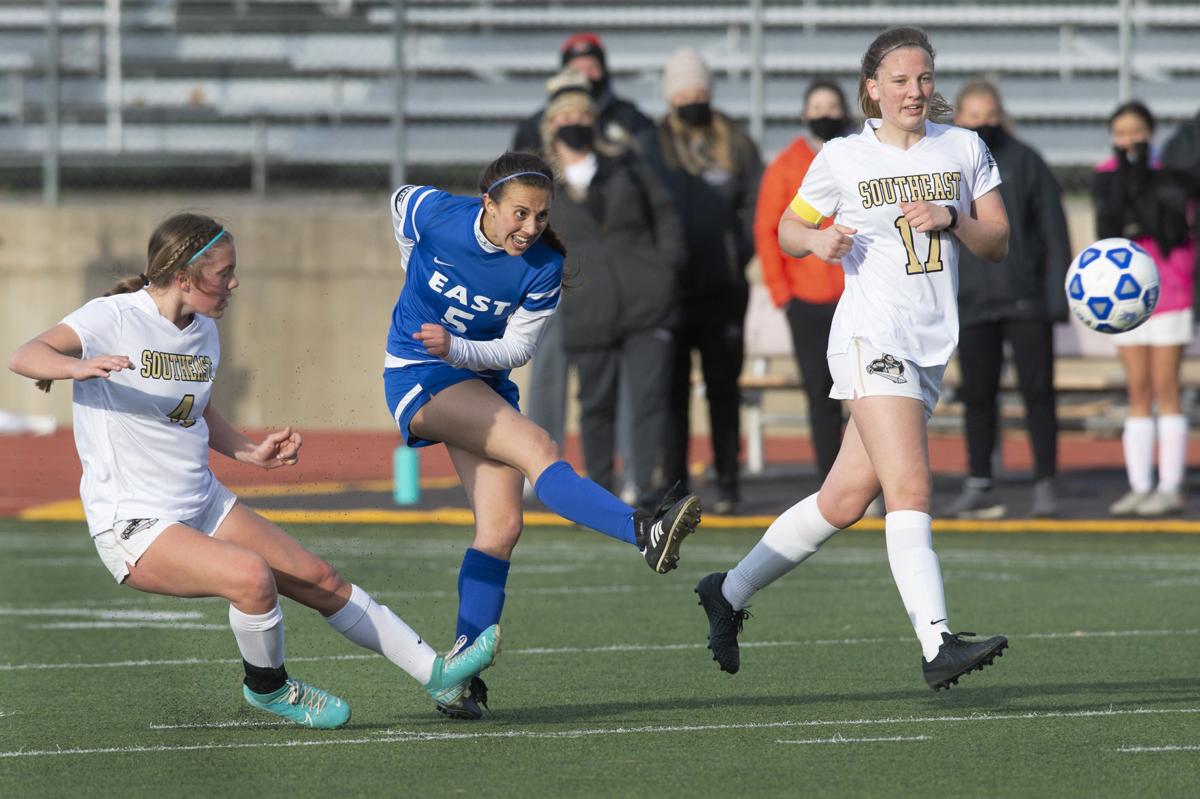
x: 685, y: 70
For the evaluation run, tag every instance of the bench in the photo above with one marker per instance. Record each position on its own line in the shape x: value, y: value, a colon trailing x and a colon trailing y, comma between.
x: 1088, y: 378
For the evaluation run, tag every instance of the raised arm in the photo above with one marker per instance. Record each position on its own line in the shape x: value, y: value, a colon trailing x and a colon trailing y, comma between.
x: 799, y: 237
x: 55, y: 355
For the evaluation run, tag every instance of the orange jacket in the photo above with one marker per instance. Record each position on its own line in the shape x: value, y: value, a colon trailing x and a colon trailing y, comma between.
x: 809, y: 278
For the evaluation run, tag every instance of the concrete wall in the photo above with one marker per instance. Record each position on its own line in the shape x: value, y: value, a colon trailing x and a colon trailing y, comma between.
x: 304, y: 338
x: 303, y: 341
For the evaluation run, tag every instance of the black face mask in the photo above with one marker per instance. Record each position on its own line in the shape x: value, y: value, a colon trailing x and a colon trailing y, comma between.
x: 991, y: 135
x: 577, y: 137
x: 826, y: 128
x: 599, y: 87
x: 695, y: 114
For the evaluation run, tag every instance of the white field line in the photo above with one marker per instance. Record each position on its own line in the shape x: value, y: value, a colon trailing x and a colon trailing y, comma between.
x: 125, y: 625
x: 576, y: 650
x: 112, y: 615
x: 1139, y: 750
x: 221, y: 725
x: 413, y: 736
x: 838, y: 739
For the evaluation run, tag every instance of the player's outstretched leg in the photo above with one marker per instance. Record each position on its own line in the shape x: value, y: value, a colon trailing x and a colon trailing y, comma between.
x: 957, y: 657
x: 455, y: 675
x: 302, y: 703
x: 659, y: 534
x: 724, y: 623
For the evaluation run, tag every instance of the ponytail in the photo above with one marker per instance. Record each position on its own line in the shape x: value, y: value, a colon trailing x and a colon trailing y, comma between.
x: 553, y: 241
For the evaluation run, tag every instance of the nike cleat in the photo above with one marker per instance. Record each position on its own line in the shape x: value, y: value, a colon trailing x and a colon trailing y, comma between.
x: 660, y: 534
x: 957, y: 657
x: 302, y: 703
x: 456, y: 675
x: 724, y: 623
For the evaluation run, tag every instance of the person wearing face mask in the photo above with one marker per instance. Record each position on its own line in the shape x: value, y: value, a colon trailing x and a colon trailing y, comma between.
x: 621, y: 304
x: 807, y: 289
x: 619, y: 123
x: 712, y: 170
x: 1137, y: 200
x: 1017, y: 300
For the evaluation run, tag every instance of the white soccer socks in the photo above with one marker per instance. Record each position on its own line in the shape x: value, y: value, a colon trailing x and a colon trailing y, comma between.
x: 1138, y: 442
x: 373, y: 626
x: 790, y: 540
x: 259, y: 636
x: 918, y: 576
x: 1172, y: 452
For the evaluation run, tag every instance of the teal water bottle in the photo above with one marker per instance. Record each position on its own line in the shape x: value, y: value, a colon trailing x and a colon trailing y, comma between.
x: 406, y: 476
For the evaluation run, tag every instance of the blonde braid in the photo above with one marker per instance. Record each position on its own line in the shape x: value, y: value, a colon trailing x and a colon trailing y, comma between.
x: 192, y: 243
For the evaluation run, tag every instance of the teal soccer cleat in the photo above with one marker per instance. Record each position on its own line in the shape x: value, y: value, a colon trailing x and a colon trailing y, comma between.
x: 450, y: 684
x: 303, y: 704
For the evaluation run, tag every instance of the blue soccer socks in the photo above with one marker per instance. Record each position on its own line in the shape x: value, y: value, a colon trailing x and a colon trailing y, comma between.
x: 584, y: 502
x: 481, y: 581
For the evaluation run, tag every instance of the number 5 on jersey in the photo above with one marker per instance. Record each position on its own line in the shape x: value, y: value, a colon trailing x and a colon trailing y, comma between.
x: 183, y: 411
x: 934, y: 262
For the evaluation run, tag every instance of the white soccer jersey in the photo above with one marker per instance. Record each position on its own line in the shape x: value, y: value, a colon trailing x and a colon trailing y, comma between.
x: 141, y: 433
x: 901, y: 291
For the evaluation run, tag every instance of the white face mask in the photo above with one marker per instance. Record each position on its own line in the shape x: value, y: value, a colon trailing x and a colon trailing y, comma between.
x: 579, y: 174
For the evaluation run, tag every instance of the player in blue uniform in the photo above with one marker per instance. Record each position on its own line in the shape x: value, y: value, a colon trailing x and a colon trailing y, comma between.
x: 483, y: 278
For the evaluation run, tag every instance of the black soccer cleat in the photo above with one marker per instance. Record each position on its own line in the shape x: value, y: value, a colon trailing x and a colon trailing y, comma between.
x: 724, y: 623
x: 660, y: 534
x: 957, y: 657
x: 469, y: 706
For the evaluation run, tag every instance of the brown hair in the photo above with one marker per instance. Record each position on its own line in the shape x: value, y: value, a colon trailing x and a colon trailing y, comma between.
x: 886, y: 42
x: 976, y: 86
x: 524, y: 169
x: 173, y: 245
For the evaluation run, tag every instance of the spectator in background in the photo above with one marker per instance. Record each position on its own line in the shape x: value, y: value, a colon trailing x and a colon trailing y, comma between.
x: 621, y: 303
x: 1017, y: 300
x: 1181, y: 157
x: 619, y: 123
x: 1135, y: 199
x: 712, y: 170
x: 807, y: 288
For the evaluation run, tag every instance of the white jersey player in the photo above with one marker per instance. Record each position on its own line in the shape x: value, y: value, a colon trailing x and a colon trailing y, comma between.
x: 143, y: 360
x: 904, y: 193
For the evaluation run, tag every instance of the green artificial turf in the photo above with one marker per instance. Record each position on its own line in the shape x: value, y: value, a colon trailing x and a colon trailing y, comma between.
x: 604, y: 686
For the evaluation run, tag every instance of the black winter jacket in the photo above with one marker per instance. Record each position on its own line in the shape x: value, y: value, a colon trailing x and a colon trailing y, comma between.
x: 624, y: 247
x: 718, y: 220
x: 1028, y: 283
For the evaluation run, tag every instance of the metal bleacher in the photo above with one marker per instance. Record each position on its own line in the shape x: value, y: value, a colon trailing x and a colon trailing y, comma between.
x: 311, y: 81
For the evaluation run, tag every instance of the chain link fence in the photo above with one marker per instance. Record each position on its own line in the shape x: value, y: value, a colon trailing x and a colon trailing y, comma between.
x: 258, y: 96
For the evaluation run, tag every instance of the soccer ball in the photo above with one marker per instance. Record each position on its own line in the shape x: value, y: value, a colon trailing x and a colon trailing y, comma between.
x: 1112, y: 286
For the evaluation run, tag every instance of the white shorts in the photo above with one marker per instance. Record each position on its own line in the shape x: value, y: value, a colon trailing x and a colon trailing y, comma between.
x: 122, y: 546
x: 863, y: 371
x: 1167, y: 329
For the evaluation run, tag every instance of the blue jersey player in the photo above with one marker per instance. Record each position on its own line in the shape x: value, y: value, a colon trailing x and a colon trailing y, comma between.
x: 483, y: 277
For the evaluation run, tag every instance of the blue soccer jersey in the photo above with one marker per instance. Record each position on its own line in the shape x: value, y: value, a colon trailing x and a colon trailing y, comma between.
x: 457, y: 278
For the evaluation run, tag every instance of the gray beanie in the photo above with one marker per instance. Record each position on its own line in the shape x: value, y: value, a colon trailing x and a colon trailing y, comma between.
x: 685, y: 70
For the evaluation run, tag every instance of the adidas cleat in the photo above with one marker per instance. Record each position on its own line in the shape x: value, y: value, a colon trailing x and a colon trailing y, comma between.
x: 724, y: 623
x: 957, y: 657
x: 303, y: 704
x: 660, y: 534
x: 456, y: 675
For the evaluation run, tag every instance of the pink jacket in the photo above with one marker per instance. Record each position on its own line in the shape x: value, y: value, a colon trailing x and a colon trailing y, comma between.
x: 1176, y: 269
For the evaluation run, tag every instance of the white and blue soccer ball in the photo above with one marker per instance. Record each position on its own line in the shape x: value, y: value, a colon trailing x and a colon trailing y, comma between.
x: 1112, y: 286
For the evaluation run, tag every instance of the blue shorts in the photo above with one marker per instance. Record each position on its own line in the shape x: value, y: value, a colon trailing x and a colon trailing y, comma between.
x: 408, y: 388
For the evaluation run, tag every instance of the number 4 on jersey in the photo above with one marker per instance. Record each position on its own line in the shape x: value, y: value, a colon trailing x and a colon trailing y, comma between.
x: 934, y: 262
x: 183, y: 411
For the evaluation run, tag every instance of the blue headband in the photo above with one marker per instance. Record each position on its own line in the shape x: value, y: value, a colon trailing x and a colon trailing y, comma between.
x: 204, y: 249
x: 541, y: 175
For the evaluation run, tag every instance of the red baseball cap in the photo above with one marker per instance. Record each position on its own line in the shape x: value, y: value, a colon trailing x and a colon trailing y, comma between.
x: 579, y: 44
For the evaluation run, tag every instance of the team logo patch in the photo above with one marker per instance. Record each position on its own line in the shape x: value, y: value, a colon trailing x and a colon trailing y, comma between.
x: 136, y: 526
x: 888, y: 367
